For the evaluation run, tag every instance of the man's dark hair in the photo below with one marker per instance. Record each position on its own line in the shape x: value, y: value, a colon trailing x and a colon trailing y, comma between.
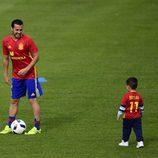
x: 132, y: 82
x: 16, y: 21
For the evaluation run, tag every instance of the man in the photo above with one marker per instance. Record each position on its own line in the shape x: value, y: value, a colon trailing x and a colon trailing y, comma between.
x: 23, y: 53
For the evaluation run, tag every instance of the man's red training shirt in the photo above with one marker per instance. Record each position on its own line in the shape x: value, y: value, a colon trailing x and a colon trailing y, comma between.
x: 20, y: 52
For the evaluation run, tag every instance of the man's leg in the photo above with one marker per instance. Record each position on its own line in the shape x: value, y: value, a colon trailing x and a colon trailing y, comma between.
x: 34, y: 90
x: 13, y: 109
x: 36, y: 112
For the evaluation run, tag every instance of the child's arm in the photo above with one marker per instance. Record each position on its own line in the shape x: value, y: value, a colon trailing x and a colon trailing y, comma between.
x: 141, y: 108
x: 120, y: 111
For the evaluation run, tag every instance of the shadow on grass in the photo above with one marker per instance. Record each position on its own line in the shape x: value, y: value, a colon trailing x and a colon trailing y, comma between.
x: 57, y: 121
x: 150, y: 141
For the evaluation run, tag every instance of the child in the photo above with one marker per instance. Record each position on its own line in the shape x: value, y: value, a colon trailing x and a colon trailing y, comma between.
x: 132, y: 107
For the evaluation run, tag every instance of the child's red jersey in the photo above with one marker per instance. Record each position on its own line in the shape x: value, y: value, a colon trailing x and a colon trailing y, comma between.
x: 132, y: 101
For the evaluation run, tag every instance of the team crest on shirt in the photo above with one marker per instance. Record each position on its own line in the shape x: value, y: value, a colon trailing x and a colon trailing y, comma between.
x: 21, y: 46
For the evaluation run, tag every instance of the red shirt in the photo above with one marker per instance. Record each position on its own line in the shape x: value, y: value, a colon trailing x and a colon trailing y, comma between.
x: 20, y: 53
x: 132, y: 101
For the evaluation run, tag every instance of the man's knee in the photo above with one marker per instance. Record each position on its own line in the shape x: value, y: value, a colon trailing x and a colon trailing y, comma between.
x: 14, y: 102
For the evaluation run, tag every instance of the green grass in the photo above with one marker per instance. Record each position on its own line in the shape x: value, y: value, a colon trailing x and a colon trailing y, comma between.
x: 88, y: 48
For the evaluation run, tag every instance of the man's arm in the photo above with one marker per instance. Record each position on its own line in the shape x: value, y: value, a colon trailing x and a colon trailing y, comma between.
x: 6, y: 66
x: 35, y: 59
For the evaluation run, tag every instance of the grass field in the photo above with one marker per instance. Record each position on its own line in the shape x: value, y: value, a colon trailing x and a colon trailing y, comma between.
x: 88, y: 48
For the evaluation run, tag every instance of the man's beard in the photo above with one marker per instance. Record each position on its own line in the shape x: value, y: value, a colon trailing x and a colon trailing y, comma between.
x: 17, y: 35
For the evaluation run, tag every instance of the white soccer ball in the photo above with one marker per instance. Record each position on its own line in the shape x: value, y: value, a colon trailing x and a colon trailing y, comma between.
x: 18, y: 126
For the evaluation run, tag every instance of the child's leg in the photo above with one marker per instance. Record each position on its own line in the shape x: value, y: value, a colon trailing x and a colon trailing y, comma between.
x: 137, y: 126
x: 127, y: 127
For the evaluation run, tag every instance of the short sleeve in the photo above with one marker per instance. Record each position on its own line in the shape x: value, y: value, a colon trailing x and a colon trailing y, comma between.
x: 32, y: 46
x: 124, y: 100
x: 5, y: 49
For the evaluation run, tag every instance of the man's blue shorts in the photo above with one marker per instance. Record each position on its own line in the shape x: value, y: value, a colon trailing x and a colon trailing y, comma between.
x: 30, y: 86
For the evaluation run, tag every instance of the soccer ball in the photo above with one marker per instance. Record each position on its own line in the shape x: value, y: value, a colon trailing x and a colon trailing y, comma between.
x: 18, y: 126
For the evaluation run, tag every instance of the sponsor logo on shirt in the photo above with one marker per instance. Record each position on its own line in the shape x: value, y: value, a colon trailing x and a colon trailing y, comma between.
x: 18, y: 58
x: 14, y: 57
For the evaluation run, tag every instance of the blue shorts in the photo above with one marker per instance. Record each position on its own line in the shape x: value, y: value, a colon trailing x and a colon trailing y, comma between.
x: 31, y: 86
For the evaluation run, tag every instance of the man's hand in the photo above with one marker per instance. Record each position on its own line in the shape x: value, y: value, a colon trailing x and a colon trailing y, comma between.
x: 7, y: 80
x: 23, y: 72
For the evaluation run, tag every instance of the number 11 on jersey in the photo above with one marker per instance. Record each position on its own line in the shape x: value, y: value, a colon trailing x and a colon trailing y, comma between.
x: 134, y: 106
